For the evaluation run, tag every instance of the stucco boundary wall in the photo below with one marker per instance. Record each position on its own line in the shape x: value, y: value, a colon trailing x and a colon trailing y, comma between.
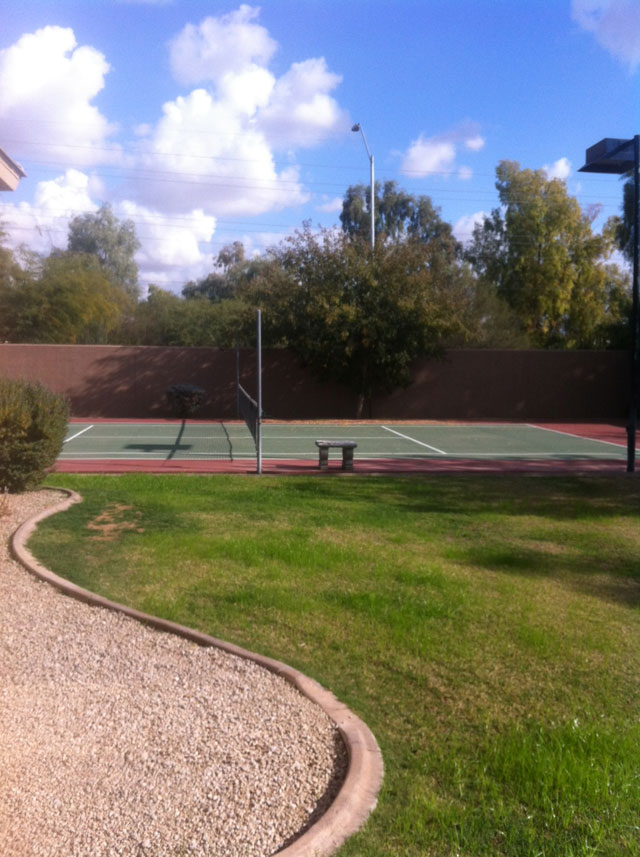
x: 112, y: 381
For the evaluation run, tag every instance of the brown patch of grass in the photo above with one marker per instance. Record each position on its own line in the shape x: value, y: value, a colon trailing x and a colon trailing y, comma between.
x: 116, y: 519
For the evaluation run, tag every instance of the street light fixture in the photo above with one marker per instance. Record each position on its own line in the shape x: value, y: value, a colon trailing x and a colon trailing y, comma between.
x: 618, y: 157
x: 358, y: 127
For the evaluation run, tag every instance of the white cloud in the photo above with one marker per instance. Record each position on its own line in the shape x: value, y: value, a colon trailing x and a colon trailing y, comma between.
x: 43, y: 224
x: 246, y: 91
x: 218, y: 141
x: 210, y: 153
x: 475, y: 143
x: 220, y: 46
x: 171, y: 246
x: 206, y: 151
x: 331, y: 206
x: 301, y: 112
x: 617, y: 258
x: 257, y: 243
x: 437, y: 154
x: 47, y: 84
x: 431, y: 155
x: 560, y: 169
x: 174, y: 249
x: 615, y: 25
x: 463, y: 228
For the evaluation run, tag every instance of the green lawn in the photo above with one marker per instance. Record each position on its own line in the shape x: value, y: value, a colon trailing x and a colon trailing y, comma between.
x: 485, y: 628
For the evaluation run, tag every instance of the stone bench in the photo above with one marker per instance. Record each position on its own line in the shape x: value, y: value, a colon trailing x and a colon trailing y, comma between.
x: 347, y: 447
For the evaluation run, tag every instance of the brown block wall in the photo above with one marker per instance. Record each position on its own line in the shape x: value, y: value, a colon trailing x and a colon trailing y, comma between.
x: 516, y: 385
x: 131, y: 381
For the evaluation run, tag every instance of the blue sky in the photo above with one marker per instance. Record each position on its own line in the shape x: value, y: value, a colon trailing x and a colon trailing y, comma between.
x: 209, y: 122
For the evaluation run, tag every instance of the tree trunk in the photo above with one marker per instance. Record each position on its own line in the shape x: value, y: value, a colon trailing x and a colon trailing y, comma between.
x: 364, y: 398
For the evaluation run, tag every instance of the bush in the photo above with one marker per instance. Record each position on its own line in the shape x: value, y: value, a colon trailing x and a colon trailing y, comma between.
x: 185, y: 399
x: 33, y: 423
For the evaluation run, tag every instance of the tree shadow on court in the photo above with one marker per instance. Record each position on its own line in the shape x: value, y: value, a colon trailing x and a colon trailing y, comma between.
x: 228, y: 439
x: 170, y: 448
x: 131, y: 383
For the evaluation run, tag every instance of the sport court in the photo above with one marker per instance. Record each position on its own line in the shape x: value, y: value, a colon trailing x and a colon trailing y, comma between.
x: 228, y: 446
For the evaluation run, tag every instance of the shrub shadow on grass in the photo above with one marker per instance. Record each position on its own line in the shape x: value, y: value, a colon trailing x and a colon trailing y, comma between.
x: 623, y: 591
x: 562, y: 498
x: 559, y: 497
x: 616, y: 582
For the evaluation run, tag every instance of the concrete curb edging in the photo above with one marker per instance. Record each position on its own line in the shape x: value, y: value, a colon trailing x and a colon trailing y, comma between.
x: 357, y: 796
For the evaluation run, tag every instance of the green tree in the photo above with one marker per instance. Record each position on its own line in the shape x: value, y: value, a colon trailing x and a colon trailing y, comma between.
x: 11, y: 275
x: 221, y: 283
x: 623, y: 226
x: 33, y: 423
x: 399, y: 216
x: 68, y: 299
x: 357, y: 318
x: 539, y: 252
x: 487, y: 321
x: 112, y: 242
x: 234, y: 276
x: 9, y: 267
x: 164, y: 318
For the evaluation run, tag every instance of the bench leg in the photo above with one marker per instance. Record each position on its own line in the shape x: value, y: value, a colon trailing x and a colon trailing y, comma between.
x: 347, y: 458
x: 323, y: 463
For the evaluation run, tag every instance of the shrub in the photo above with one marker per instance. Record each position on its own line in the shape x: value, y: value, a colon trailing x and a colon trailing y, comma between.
x: 185, y: 399
x: 33, y: 423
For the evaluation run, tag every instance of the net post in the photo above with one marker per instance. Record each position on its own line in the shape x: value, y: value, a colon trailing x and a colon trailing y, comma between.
x: 259, y: 373
x: 237, y: 378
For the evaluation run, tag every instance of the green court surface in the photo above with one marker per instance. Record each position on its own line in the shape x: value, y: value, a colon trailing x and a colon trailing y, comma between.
x: 295, y: 442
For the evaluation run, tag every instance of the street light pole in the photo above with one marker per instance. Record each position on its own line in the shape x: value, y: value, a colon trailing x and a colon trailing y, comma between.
x: 356, y: 128
x: 619, y: 157
x: 635, y: 336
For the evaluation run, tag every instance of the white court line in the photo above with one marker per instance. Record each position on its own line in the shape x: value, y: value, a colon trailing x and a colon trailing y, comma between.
x: 543, y: 455
x: 77, y: 434
x: 133, y: 456
x: 571, y: 434
x: 406, y: 437
x: 114, y: 456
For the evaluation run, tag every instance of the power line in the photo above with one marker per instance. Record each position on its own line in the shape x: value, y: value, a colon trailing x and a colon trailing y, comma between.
x: 180, y: 175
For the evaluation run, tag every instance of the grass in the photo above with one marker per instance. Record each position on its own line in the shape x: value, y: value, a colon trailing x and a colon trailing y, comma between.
x: 486, y: 629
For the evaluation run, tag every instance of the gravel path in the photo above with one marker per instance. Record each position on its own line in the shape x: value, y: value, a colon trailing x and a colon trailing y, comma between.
x: 116, y: 739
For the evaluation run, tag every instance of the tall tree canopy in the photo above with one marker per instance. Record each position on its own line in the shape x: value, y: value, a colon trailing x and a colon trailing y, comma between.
x: 231, y: 271
x: 624, y: 226
x: 399, y: 216
x: 539, y: 252
x: 10, y: 269
x: 357, y: 318
x: 113, y: 242
x: 164, y: 318
x: 66, y: 299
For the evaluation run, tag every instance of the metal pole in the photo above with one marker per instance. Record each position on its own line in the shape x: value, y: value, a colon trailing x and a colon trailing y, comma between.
x: 372, y: 186
x: 373, y: 213
x: 237, y: 378
x: 259, y: 424
x: 635, y: 333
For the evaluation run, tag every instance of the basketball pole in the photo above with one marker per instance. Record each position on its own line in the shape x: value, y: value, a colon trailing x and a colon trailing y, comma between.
x: 620, y: 157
